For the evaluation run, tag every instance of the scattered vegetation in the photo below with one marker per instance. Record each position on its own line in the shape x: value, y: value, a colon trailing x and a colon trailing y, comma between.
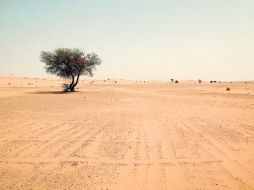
x: 70, y: 64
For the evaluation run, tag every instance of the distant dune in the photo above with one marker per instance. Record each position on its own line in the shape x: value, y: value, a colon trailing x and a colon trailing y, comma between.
x: 21, y: 81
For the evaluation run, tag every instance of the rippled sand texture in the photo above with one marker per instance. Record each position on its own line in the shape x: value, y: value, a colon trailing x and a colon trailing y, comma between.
x: 144, y: 136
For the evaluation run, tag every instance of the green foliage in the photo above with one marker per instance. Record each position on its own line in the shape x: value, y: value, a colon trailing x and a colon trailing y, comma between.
x: 65, y: 62
x: 70, y: 63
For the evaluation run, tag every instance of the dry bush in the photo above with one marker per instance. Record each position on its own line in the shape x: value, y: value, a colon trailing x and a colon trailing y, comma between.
x: 66, y: 87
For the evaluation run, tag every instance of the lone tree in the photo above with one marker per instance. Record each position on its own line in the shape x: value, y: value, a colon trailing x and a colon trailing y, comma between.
x: 70, y: 64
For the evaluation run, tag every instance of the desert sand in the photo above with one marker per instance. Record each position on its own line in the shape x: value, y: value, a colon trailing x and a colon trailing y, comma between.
x: 119, y: 135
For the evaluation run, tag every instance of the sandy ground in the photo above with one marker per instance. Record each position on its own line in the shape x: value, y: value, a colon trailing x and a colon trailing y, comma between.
x: 126, y: 135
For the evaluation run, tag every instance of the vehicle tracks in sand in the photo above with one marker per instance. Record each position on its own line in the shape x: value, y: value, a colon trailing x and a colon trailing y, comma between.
x: 139, y: 138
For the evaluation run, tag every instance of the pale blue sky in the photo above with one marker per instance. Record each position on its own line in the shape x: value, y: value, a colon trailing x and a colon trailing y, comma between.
x: 136, y: 39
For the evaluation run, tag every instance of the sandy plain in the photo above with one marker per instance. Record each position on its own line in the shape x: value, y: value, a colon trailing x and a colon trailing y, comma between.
x: 126, y: 135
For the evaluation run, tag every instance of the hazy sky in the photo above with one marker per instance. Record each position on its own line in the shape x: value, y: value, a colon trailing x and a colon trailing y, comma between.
x: 136, y: 39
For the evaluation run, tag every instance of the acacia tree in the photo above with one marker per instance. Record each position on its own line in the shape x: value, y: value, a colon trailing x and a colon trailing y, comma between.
x: 70, y: 64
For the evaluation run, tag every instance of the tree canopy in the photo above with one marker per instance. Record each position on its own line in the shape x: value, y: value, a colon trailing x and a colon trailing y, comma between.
x: 70, y: 63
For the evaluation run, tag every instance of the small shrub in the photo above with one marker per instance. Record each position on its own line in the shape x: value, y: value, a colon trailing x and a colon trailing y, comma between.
x: 172, y: 80
x: 176, y: 81
x: 66, y: 87
x: 227, y: 89
x: 211, y: 81
x: 199, y: 81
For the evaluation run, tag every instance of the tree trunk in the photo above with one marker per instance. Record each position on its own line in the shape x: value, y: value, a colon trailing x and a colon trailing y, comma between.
x: 75, y: 84
x: 71, y: 88
x: 71, y: 85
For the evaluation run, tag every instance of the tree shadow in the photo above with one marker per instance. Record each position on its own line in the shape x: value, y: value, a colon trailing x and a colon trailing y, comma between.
x: 48, y: 92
